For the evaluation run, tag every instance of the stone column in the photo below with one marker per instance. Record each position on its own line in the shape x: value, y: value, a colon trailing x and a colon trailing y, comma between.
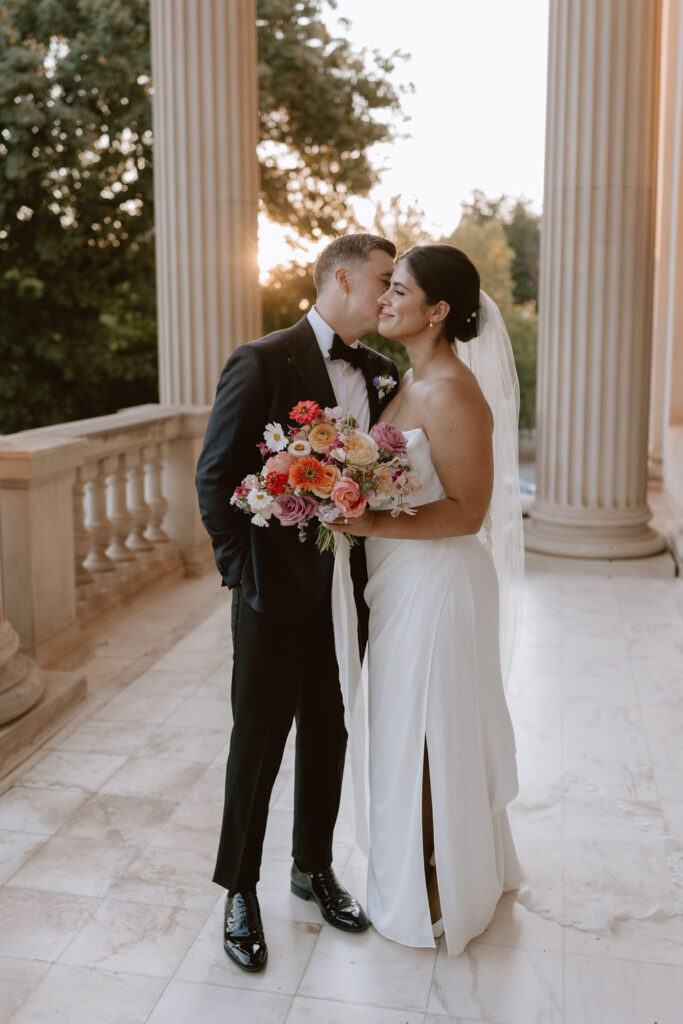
x: 666, y: 397
x: 205, y: 189
x: 596, y: 281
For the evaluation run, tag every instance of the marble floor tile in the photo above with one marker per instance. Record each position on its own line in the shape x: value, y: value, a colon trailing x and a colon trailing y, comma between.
x: 203, y: 662
x: 210, y: 786
x: 83, y: 867
x: 290, y: 944
x: 606, y: 745
x: 64, y: 769
x: 202, y: 714
x: 15, y: 850
x: 106, y: 737
x: 622, y: 929
x: 39, y: 926
x: 669, y: 783
x: 30, y: 809
x: 126, y: 707
x: 663, y: 717
x: 191, y: 826
x: 600, y: 989
x: 156, y: 682
x: 667, y: 752
x: 169, y: 878
x: 323, y: 1011
x: 582, y: 712
x: 516, y: 925
x: 118, y: 819
x: 186, y: 1002
x: 620, y: 779
x: 18, y: 978
x: 673, y: 820
x: 367, y: 968
x: 86, y: 996
x: 183, y: 743
x: 497, y: 983
x: 153, y: 777
x: 134, y: 937
x: 596, y: 867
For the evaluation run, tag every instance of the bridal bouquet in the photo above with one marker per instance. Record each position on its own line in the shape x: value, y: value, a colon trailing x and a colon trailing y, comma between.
x: 324, y: 469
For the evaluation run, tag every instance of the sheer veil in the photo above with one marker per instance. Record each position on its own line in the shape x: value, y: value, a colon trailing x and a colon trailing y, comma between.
x: 489, y: 356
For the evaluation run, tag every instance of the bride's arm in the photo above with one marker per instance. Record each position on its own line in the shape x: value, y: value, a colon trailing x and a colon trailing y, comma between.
x: 459, y: 425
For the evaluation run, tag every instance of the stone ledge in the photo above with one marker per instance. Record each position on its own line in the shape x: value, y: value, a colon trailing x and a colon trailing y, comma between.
x: 22, y: 737
x: 661, y: 566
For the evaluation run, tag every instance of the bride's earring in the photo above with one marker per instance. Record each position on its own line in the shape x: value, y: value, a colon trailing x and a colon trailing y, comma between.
x: 431, y: 324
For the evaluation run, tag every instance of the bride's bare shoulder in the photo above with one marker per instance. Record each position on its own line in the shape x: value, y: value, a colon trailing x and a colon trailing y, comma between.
x: 458, y: 397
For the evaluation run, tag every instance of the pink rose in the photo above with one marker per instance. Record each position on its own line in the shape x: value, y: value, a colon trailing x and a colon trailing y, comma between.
x: 291, y: 509
x: 348, y: 499
x: 390, y: 438
x: 279, y: 463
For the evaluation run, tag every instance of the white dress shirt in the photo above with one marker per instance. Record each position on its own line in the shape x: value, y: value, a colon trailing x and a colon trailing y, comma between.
x: 348, y: 383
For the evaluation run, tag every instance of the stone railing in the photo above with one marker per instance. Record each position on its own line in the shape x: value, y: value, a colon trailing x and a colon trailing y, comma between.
x: 93, y: 511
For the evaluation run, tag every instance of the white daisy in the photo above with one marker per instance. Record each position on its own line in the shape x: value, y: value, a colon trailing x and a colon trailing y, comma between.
x: 260, y: 501
x: 275, y: 437
x: 299, y: 448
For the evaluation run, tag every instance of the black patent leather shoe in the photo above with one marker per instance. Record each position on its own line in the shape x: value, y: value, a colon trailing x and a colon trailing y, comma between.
x: 337, y: 906
x: 243, y: 938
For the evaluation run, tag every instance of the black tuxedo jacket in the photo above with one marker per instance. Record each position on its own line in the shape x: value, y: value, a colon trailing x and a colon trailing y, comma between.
x: 261, y: 381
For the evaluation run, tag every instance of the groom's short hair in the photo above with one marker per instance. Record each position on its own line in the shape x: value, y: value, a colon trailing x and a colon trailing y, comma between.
x: 347, y: 249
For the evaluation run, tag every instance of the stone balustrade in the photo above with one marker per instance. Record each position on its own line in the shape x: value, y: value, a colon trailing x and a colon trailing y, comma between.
x: 93, y: 511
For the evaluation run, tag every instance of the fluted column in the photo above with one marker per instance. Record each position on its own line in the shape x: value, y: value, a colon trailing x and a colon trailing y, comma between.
x: 596, y: 281
x: 205, y: 189
x: 666, y: 396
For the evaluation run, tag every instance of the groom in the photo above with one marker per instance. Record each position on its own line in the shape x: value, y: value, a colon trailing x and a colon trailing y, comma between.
x: 284, y: 662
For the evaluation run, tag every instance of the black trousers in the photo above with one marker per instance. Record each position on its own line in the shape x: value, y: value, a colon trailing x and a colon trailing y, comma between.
x: 281, y: 672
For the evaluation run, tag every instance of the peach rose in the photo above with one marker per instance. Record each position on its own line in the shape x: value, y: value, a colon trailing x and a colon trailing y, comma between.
x: 348, y: 499
x: 361, y: 449
x: 324, y: 488
x: 279, y: 463
x: 321, y: 437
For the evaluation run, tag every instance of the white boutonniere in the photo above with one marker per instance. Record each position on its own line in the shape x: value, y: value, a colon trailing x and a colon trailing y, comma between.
x: 384, y: 384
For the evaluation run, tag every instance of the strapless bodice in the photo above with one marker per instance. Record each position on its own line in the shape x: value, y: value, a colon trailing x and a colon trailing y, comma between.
x: 419, y: 456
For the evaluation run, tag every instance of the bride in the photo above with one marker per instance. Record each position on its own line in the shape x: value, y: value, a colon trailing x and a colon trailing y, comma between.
x: 441, y: 747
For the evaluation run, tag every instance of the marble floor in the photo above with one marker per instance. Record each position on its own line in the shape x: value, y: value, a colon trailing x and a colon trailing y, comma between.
x: 107, y: 839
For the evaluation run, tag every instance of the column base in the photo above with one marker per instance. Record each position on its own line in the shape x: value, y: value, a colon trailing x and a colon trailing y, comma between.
x: 591, y: 541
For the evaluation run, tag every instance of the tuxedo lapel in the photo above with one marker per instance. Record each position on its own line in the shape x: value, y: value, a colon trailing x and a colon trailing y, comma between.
x: 371, y: 369
x: 309, y: 363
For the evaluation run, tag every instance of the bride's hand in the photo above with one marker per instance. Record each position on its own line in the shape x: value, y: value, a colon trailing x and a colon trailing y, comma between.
x: 363, y: 526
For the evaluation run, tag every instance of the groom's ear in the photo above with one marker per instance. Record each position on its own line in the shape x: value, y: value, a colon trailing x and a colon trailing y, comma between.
x: 342, y: 276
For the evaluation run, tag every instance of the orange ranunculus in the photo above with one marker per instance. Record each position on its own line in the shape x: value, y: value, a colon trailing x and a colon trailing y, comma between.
x: 306, y: 473
x: 324, y: 489
x: 321, y: 437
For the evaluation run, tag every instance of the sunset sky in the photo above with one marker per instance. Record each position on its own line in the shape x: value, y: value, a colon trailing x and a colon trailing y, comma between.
x: 477, y: 116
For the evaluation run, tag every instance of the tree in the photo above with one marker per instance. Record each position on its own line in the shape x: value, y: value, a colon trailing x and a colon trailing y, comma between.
x: 77, y: 278
x: 522, y: 230
x: 322, y: 105
x: 482, y: 234
x: 402, y: 222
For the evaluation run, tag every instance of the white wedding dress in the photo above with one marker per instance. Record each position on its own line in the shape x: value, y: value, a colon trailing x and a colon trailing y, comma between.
x: 434, y: 674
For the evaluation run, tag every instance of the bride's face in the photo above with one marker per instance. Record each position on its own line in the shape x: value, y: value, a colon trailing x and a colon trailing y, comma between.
x: 403, y: 307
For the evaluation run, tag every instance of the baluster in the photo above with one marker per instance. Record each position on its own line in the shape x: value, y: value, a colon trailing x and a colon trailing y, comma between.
x: 97, y: 524
x: 86, y: 583
x: 138, y: 508
x: 120, y: 518
x: 155, y: 498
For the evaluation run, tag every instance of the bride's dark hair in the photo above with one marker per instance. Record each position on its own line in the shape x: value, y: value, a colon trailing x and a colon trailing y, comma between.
x: 445, y: 273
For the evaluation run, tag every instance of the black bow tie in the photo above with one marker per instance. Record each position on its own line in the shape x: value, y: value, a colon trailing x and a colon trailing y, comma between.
x: 356, y: 356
